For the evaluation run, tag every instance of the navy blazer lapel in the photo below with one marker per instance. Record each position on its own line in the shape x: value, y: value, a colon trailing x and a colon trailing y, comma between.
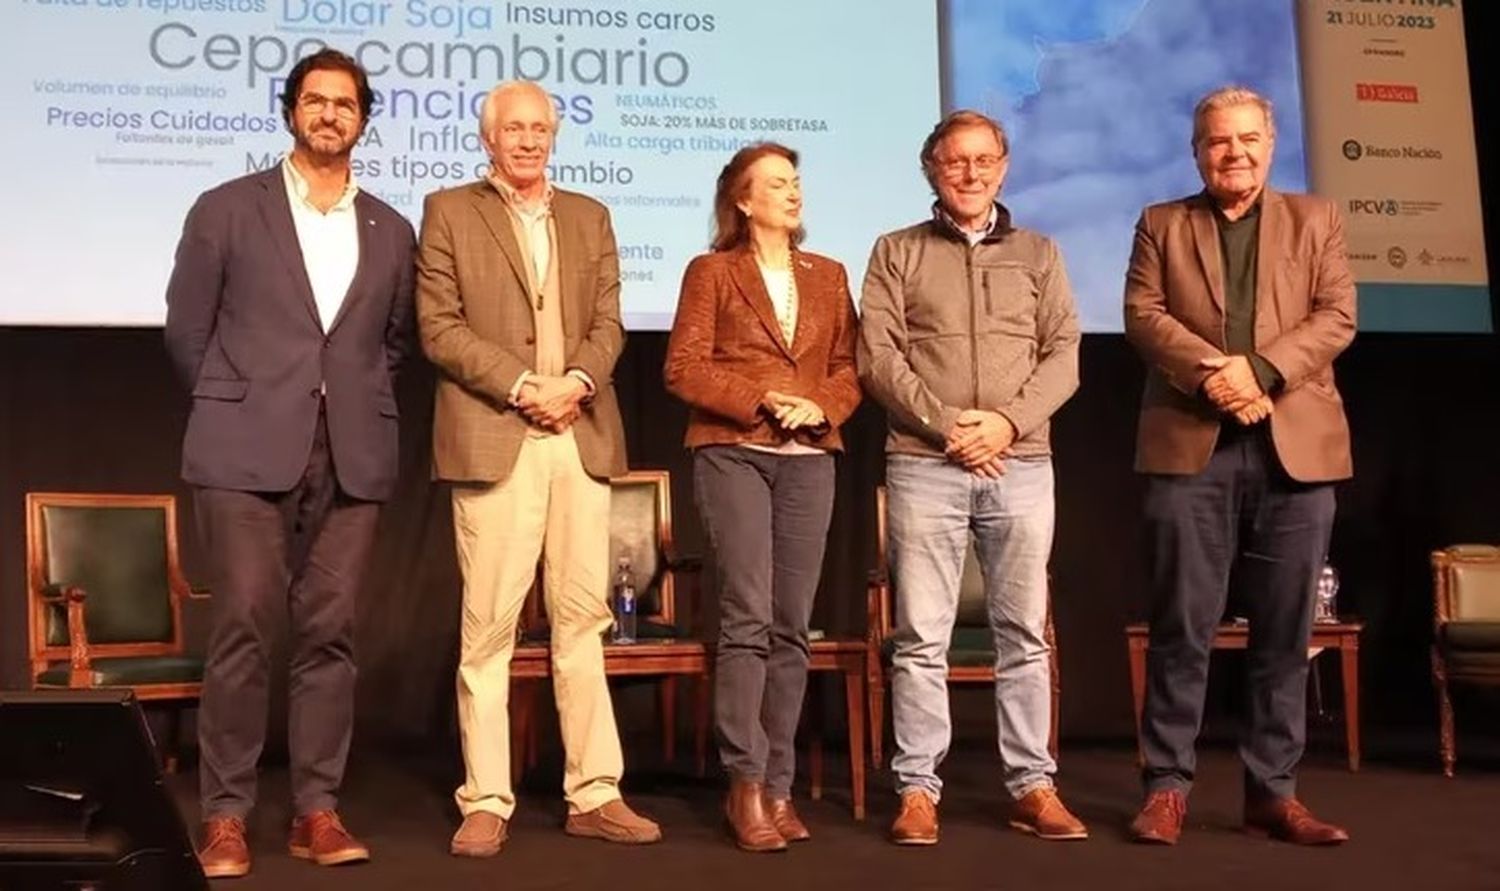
x: 276, y: 211
x: 369, y: 249
x: 492, y: 210
x: 1206, y: 240
x: 747, y: 279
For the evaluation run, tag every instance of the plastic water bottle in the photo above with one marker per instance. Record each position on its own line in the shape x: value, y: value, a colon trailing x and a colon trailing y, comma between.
x: 1326, y: 607
x: 624, y: 603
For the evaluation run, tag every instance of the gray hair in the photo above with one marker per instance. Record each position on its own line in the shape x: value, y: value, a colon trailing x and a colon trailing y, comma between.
x: 957, y: 120
x: 492, y: 100
x: 1230, y: 97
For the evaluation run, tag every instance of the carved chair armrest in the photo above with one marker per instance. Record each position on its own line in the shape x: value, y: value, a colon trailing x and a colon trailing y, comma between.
x: 71, y: 597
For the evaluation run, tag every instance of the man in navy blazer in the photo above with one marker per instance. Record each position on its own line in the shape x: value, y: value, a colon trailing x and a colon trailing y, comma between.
x: 288, y: 312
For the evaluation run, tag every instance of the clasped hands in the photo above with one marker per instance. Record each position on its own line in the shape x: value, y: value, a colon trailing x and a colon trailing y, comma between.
x: 979, y: 440
x: 1232, y: 388
x: 551, y: 402
x: 792, y: 412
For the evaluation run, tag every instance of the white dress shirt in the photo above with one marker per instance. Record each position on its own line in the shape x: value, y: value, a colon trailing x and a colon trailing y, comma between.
x: 329, y: 241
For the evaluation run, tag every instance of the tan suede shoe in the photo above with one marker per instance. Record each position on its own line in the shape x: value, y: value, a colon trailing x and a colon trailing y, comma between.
x: 481, y: 835
x: 614, y: 822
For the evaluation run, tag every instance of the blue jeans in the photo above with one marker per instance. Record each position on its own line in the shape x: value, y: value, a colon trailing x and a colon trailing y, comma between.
x: 933, y: 505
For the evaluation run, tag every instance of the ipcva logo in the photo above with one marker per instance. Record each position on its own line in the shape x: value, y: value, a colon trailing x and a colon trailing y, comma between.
x: 1380, y: 207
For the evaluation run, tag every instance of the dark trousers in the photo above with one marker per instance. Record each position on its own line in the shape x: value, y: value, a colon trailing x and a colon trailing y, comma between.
x: 302, y: 552
x: 767, y: 518
x: 1240, y: 523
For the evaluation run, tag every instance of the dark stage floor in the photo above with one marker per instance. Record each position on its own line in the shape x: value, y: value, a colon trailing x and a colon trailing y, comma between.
x: 1411, y: 829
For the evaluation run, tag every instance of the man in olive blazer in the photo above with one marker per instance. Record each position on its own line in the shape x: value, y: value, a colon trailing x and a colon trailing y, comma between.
x: 518, y: 305
x: 481, y: 335
x: 1238, y: 299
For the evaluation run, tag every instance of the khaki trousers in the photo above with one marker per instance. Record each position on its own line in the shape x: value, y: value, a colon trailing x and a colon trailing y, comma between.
x: 548, y: 508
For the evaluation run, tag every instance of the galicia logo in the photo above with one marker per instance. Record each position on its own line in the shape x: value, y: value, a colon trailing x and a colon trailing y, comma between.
x: 1353, y: 150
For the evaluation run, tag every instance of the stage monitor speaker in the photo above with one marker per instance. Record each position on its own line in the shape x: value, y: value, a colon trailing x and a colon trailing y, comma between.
x: 82, y: 803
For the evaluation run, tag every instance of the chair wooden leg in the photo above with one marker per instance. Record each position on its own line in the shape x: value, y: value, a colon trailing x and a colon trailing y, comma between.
x: 701, y: 715
x: 666, y: 706
x: 521, y: 731
x: 173, y: 748
x: 534, y: 691
x: 814, y: 722
x: 875, y: 695
x: 854, y: 696
x: 1349, y: 670
x: 1138, y: 648
x: 1447, y: 747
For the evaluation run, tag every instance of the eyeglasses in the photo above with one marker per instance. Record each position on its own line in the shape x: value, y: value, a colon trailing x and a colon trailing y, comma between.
x: 984, y: 165
x: 314, y: 103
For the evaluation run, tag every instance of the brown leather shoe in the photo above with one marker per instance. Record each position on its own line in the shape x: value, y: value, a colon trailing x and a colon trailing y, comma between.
x: 614, y: 822
x: 481, y: 835
x: 784, y: 817
x: 917, y: 823
x: 321, y: 837
x: 749, y: 817
x: 1289, y: 820
x: 1041, y: 813
x: 1160, y: 819
x: 224, y: 854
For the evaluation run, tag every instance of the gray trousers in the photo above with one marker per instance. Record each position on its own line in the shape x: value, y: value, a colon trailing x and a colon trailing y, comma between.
x: 1241, y: 522
x: 300, y: 554
x: 767, y: 518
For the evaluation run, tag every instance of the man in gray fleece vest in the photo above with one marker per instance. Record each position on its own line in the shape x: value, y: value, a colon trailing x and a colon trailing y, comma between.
x: 969, y: 338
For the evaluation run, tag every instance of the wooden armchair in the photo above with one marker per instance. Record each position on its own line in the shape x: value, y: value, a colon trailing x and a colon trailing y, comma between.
x: 104, y: 598
x: 971, y: 653
x: 1466, y: 628
x: 640, y: 528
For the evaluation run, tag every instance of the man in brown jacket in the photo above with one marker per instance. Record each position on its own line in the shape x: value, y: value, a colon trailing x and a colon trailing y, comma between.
x: 1238, y: 299
x: 518, y: 289
x: 969, y: 338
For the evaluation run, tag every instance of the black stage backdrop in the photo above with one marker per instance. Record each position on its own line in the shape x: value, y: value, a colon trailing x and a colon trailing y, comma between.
x: 98, y: 410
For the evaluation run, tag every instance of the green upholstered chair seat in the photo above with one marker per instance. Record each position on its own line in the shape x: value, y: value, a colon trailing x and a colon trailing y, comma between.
x: 1460, y: 636
x: 130, y: 671
x: 967, y: 648
x: 971, y: 647
x: 1473, y: 661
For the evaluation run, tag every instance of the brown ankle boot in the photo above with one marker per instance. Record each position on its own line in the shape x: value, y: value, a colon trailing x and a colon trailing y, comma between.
x: 749, y: 821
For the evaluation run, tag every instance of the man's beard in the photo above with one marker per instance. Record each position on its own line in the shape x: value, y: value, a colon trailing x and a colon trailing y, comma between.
x: 315, y: 143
